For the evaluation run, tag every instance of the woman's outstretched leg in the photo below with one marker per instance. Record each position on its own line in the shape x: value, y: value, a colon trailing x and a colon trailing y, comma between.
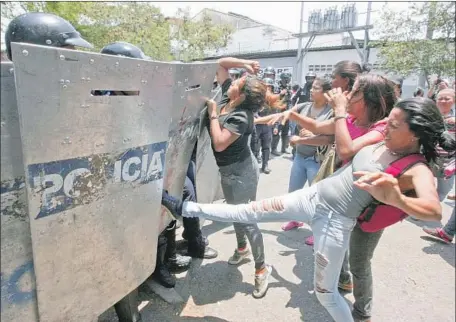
x: 298, y: 205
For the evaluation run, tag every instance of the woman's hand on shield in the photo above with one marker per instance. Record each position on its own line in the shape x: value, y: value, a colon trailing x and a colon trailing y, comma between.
x: 382, y: 186
x: 211, y: 107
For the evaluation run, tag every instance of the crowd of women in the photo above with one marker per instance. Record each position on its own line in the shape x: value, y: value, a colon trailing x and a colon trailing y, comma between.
x: 369, y: 157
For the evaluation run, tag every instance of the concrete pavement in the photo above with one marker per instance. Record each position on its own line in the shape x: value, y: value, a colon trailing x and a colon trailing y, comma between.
x: 414, y: 277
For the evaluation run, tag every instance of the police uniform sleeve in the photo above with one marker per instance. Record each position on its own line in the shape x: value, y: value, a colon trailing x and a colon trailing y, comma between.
x: 237, y: 123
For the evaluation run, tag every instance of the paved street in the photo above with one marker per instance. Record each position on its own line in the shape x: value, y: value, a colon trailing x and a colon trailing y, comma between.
x: 414, y: 276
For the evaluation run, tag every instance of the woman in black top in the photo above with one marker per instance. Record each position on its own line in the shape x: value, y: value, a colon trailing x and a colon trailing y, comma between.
x: 238, y: 168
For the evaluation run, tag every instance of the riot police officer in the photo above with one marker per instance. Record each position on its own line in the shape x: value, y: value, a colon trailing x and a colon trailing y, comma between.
x: 234, y: 73
x: 310, y: 77
x: 263, y: 135
x: 28, y: 28
x: 282, y: 131
x: 269, y: 72
x: 121, y: 48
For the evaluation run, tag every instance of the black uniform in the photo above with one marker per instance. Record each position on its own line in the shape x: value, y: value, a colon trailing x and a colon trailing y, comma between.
x: 262, y: 138
x: 282, y: 130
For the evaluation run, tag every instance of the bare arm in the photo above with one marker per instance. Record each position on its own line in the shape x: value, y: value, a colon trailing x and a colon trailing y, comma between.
x: 427, y: 205
x: 324, y: 127
x: 221, y: 137
x: 229, y: 62
x: 346, y: 148
x: 264, y: 119
x: 316, y: 140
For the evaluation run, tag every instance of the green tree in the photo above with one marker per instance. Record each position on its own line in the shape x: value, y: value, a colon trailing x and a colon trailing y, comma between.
x: 192, y: 38
x: 419, y: 40
x: 139, y: 23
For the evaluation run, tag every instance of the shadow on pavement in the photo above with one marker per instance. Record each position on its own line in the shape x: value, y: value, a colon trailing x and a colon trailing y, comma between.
x: 205, y: 284
x: 447, y: 252
x: 301, y: 295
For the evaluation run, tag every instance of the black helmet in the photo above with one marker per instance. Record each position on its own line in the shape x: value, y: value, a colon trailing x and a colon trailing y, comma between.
x: 120, y: 48
x: 242, y: 72
x: 45, y: 29
x: 268, y: 81
x: 269, y: 71
x: 285, y: 76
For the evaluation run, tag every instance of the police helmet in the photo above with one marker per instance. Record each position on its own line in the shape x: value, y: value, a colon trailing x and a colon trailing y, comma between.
x: 41, y: 28
x: 120, y: 48
x: 310, y: 77
x: 242, y: 72
x: 234, y: 71
x: 268, y: 81
x: 269, y: 71
x: 285, y: 76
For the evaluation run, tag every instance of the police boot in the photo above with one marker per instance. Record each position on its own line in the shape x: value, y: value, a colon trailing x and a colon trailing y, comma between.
x: 162, y: 274
x: 197, y: 243
x: 274, y: 144
x: 285, y: 141
x: 127, y: 308
x: 265, y: 169
x: 175, y: 262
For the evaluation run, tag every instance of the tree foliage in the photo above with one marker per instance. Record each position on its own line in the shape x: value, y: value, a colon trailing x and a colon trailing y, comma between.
x: 418, y: 40
x: 139, y: 23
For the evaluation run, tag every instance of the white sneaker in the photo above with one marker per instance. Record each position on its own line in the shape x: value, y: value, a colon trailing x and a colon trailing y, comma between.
x: 239, y: 256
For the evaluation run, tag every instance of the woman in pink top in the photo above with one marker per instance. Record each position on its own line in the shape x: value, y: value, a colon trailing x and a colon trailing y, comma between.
x: 344, y: 76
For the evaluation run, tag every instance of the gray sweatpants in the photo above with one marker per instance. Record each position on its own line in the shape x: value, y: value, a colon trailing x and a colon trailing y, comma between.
x: 362, y: 247
x: 239, y: 185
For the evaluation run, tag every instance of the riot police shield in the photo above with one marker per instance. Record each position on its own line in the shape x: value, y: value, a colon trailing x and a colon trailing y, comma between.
x: 208, y: 187
x: 18, y: 303
x: 94, y: 173
x: 192, y: 87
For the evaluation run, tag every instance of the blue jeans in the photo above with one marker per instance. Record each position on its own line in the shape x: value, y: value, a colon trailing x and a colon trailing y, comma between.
x: 304, y: 169
x: 444, y: 186
x: 331, y: 232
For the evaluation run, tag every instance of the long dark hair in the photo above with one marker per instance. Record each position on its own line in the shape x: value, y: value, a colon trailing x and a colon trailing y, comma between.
x: 256, y: 94
x: 349, y: 69
x: 378, y: 94
x: 426, y: 122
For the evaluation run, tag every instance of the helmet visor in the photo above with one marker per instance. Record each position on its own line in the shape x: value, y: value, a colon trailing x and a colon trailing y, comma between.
x: 75, y: 39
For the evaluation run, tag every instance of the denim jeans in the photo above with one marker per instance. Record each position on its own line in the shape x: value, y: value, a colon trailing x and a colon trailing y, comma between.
x: 444, y: 187
x: 450, y: 228
x: 304, y: 169
x: 331, y: 233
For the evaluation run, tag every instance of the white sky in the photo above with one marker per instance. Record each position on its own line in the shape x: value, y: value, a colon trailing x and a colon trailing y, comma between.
x: 284, y: 14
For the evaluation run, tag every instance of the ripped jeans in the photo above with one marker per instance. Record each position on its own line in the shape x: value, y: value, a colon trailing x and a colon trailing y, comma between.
x: 331, y: 233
